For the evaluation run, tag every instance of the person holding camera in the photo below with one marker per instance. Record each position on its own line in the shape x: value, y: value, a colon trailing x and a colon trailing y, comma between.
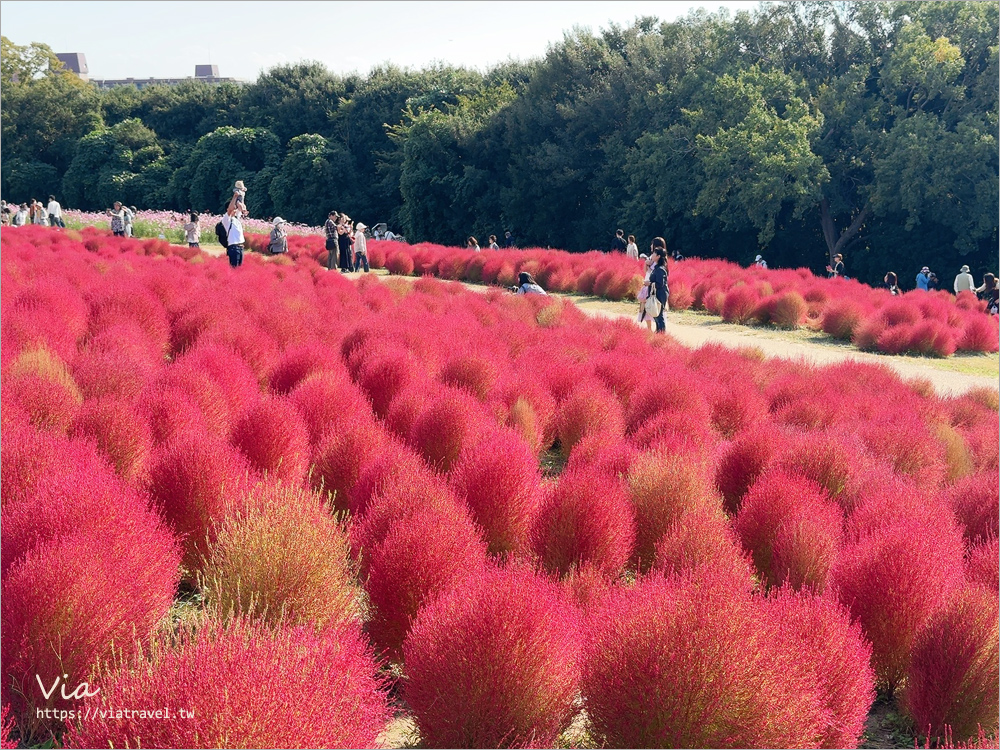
x: 527, y: 284
x: 233, y: 224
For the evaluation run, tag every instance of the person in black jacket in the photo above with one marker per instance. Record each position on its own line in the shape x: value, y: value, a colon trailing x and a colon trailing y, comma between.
x: 658, y: 281
x: 618, y: 244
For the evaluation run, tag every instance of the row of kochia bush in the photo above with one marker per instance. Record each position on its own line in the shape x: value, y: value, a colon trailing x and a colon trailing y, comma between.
x: 926, y: 323
x: 738, y: 552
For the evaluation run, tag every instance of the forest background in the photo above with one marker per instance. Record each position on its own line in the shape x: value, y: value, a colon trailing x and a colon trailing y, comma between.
x: 797, y: 130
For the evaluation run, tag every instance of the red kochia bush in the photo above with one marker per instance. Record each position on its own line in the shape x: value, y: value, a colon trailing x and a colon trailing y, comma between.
x: 954, y: 676
x: 194, y: 481
x: 247, y: 685
x: 71, y: 603
x: 744, y: 460
x: 274, y: 438
x: 493, y: 663
x: 702, y: 537
x: 976, y: 502
x: 831, y: 653
x: 120, y: 433
x: 422, y: 552
x: 982, y: 566
x: 590, y: 408
x: 683, y: 661
x: 893, y: 580
x: 791, y: 529
x: 446, y: 426
x: 586, y: 520
x: 342, y: 455
x: 740, y: 304
x: 841, y: 318
x: 498, y: 479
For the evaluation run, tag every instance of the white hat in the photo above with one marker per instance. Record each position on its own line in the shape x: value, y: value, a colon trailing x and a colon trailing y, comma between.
x: 964, y: 269
x: 925, y: 269
x: 758, y: 258
x: 361, y: 226
x: 279, y: 220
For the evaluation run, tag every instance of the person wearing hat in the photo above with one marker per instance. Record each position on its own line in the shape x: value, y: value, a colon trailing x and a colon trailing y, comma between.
x: 964, y: 282
x: 360, y: 247
x: 279, y: 237
x: 924, y: 278
x: 838, y: 267
x: 760, y: 262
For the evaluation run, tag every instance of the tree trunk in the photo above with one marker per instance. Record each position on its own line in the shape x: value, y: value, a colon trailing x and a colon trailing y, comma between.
x: 835, y: 243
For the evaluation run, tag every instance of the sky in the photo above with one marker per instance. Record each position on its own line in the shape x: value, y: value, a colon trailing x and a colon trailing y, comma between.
x: 166, y: 39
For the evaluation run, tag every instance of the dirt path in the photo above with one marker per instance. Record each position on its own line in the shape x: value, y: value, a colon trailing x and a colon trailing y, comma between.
x: 950, y: 376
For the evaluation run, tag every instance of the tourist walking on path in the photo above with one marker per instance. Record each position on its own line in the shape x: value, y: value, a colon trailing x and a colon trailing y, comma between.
x: 891, y: 283
x: 55, y: 213
x: 117, y: 219
x: 493, y: 242
x: 508, y: 240
x: 344, y: 244
x: 632, y: 250
x: 332, y: 247
x: 964, y: 282
x: 658, y: 282
x: 192, y: 232
x: 923, y: 278
x: 618, y: 244
x: 233, y: 224
x: 361, y: 247
x: 473, y: 244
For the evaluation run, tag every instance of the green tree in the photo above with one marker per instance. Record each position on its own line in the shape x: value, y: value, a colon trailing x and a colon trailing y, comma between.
x: 313, y: 180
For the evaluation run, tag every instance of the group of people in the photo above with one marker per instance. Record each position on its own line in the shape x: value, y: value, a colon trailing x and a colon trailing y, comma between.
x: 345, y: 241
x: 508, y: 242
x: 40, y: 214
x: 655, y: 289
x: 122, y: 218
x: 928, y: 281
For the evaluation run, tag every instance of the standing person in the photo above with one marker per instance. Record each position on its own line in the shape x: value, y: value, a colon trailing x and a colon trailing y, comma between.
x: 344, y: 242
x: 933, y: 282
x: 20, y: 217
x: 508, y: 240
x: 632, y: 250
x: 117, y: 219
x: 658, y: 281
x: 493, y: 242
x: 332, y: 248
x: 618, y: 243
x: 643, y: 317
x: 39, y: 216
x: 526, y: 284
x: 989, y: 292
x: 129, y: 217
x: 278, y: 241
x: 964, y: 281
x: 760, y: 262
x: 55, y: 213
x: 891, y: 282
x: 192, y: 231
x: 5, y: 214
x: 233, y: 223
x: 837, y: 269
x: 361, y: 247
x: 923, y: 278
x: 473, y: 244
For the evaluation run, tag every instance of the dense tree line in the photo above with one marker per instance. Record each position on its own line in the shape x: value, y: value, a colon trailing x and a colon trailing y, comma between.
x: 800, y: 130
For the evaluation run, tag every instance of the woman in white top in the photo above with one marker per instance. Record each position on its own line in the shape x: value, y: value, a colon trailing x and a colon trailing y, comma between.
x: 473, y: 244
x: 527, y: 284
x: 649, y: 262
x: 360, y: 247
x: 632, y: 249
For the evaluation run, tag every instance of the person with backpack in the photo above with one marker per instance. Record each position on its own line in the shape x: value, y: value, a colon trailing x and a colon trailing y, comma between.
x: 233, y: 225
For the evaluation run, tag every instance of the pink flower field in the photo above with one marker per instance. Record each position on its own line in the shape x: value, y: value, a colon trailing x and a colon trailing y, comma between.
x: 289, y: 509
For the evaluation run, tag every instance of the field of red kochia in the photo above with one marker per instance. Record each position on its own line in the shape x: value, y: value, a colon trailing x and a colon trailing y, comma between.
x: 933, y: 324
x: 246, y: 493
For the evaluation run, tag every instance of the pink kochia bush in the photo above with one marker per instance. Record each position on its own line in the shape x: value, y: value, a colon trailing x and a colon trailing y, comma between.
x: 275, y: 440
x: 688, y: 661
x: 954, y: 677
x: 245, y: 685
x: 494, y: 662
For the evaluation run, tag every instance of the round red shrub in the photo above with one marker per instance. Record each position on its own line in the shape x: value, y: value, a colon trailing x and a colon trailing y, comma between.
x: 587, y: 519
x: 75, y: 601
x: 893, y: 580
x: 954, y: 675
x: 791, y: 529
x: 976, y: 502
x: 275, y: 440
x: 342, y: 455
x: 246, y: 685
x: 451, y: 422
x: 740, y: 304
x: 829, y: 652
x: 421, y: 554
x: 327, y: 402
x: 788, y: 310
x: 394, y: 466
x: 472, y: 372
x: 683, y: 661
x: 399, y: 263
x: 979, y: 334
x: 744, y: 460
x: 590, y: 408
x: 494, y: 663
x: 664, y: 484
x: 702, y: 537
x: 982, y: 565
x: 120, y: 434
x: 498, y: 478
